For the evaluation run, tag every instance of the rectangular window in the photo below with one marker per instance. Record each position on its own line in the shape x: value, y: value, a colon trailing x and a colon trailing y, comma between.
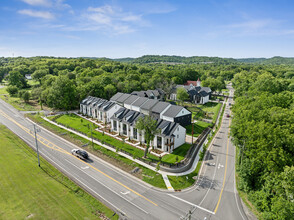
x: 177, y: 136
x: 159, y: 142
x: 115, y: 125
x: 135, y: 133
x: 124, y: 129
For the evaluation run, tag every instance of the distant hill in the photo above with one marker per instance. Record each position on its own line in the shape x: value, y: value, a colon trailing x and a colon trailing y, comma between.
x: 177, y: 60
x: 274, y: 60
x: 124, y: 60
x: 172, y: 60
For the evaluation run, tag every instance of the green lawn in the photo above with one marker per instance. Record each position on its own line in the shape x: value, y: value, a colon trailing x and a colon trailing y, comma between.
x: 146, y: 174
x: 210, y: 108
x: 182, y: 182
x: 83, y: 125
x: 198, y: 128
x: 39, y: 193
x: 180, y: 152
x: 18, y: 103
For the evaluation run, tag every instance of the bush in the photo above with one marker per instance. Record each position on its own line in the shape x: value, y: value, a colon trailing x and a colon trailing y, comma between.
x: 26, y: 96
x: 12, y: 90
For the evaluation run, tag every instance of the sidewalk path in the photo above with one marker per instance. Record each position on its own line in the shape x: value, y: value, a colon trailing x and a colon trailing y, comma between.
x: 167, y: 183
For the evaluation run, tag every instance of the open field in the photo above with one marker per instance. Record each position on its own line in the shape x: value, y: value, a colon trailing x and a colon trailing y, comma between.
x: 28, y: 191
x: 16, y: 102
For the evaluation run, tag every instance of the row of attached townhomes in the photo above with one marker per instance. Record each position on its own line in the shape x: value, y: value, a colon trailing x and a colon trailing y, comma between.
x: 197, y: 94
x: 123, y: 111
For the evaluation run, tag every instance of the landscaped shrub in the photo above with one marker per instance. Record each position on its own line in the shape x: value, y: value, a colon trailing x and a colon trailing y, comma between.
x: 12, y: 90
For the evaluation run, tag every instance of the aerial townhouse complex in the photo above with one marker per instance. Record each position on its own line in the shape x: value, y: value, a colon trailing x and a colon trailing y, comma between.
x: 124, y: 110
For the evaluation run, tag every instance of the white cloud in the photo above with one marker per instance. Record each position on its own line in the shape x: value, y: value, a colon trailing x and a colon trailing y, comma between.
x: 112, y: 19
x: 37, y: 14
x: 46, y: 3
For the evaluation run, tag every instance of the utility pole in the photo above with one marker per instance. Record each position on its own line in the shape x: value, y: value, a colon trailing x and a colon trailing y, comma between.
x: 92, y: 135
x: 35, y: 131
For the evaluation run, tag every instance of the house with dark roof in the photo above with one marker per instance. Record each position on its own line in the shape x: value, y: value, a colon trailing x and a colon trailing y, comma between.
x: 157, y: 94
x: 129, y: 101
x: 136, y: 106
x: 98, y: 108
x: 147, y: 106
x: 197, y: 94
x: 159, y: 109
x: 177, y: 114
x: 171, y: 136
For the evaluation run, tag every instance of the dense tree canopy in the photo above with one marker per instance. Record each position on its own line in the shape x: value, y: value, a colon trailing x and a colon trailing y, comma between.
x: 263, y: 131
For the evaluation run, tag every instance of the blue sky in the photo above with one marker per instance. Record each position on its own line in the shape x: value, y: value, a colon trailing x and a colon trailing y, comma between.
x: 132, y: 28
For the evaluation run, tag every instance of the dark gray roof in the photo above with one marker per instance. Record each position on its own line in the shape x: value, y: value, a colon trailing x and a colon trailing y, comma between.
x: 139, y: 93
x: 172, y: 111
x: 149, y: 104
x: 159, y: 107
x: 206, y: 89
x: 131, y: 99
x: 107, y: 105
x: 140, y: 101
x: 167, y: 127
x: 122, y: 98
x: 116, y: 96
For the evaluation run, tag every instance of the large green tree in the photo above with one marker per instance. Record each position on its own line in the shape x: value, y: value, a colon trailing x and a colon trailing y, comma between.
x: 148, y: 126
x: 62, y: 94
x: 182, y: 94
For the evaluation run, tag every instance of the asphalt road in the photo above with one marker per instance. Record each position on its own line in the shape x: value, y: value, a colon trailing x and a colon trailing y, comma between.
x: 213, y: 197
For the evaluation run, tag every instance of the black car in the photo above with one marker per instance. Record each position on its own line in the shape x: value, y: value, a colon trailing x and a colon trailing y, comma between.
x: 80, y: 153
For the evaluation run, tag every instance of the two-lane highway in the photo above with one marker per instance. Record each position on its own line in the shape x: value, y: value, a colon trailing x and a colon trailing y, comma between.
x: 213, y: 197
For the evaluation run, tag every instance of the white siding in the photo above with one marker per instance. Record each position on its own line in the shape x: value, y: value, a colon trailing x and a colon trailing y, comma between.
x: 112, y: 110
x: 167, y: 118
x: 183, y: 112
x: 182, y: 136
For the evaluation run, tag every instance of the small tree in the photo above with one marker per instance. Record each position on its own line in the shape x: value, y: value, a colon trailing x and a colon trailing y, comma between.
x: 26, y: 96
x: 182, y: 94
x: 148, y: 125
x: 12, y: 90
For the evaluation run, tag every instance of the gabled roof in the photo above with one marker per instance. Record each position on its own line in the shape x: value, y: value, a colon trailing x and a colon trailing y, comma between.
x: 206, y: 89
x: 116, y: 96
x: 167, y: 127
x: 149, y: 104
x: 140, y: 101
x: 159, y: 107
x: 172, y: 111
x: 131, y: 99
x: 85, y: 100
x: 122, y: 98
x: 107, y: 105
x: 139, y: 93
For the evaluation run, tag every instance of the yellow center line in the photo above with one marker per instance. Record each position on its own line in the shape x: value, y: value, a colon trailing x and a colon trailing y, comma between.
x: 224, y: 181
x: 54, y: 147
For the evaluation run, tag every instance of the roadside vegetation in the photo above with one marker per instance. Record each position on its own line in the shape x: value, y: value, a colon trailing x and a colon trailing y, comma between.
x: 28, y: 191
x: 263, y: 132
x: 147, y: 175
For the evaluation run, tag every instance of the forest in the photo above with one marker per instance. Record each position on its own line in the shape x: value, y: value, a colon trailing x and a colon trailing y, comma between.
x: 263, y: 114
x: 263, y: 132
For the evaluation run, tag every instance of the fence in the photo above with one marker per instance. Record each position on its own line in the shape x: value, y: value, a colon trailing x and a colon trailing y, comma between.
x: 171, y: 167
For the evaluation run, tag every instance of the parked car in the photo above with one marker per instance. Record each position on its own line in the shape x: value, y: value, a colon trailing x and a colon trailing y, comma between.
x: 228, y: 115
x: 80, y: 154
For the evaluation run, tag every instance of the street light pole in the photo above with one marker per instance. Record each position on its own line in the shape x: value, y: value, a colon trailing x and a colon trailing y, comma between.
x: 35, y: 131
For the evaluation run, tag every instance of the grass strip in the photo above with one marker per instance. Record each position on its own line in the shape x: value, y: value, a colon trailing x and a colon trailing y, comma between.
x: 147, y: 175
x: 182, y: 182
x: 28, y: 191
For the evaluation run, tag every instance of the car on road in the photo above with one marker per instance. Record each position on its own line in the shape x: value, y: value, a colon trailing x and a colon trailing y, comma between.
x: 228, y: 115
x: 80, y: 154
